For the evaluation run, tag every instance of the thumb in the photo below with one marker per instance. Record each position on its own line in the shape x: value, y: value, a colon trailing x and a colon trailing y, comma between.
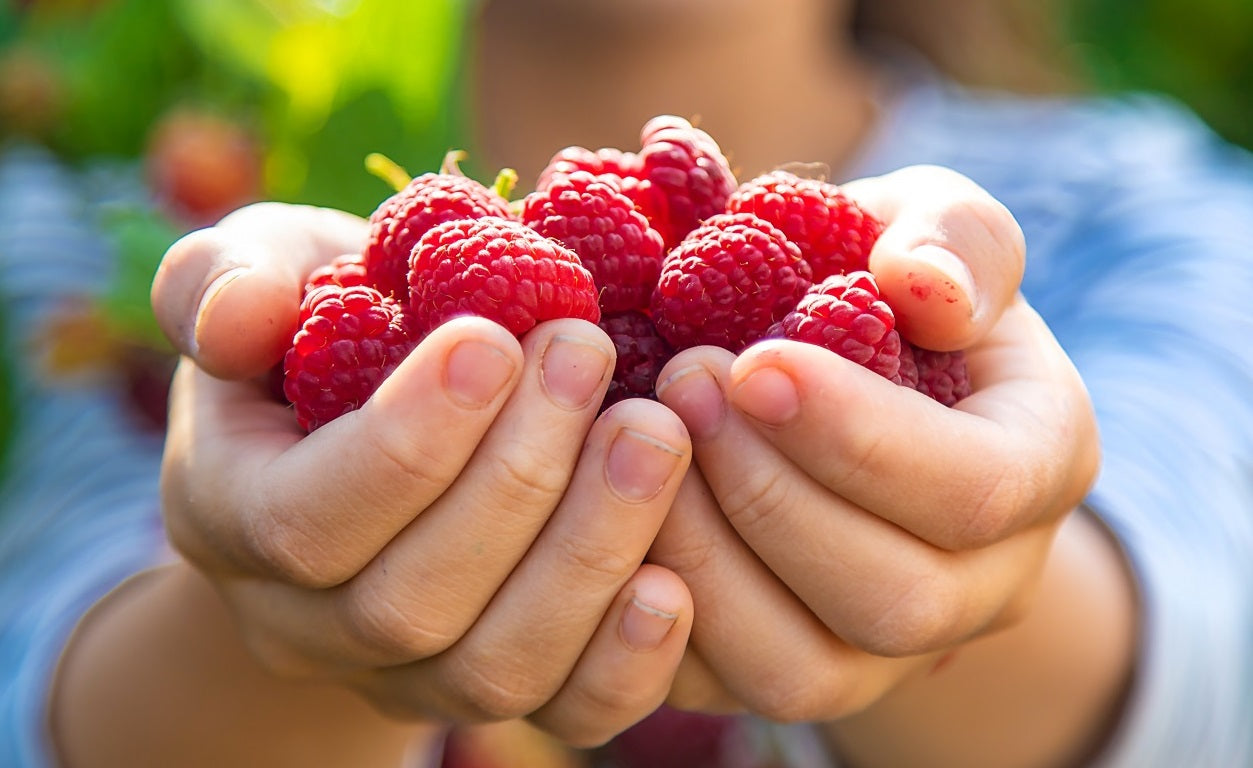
x: 229, y: 295
x: 950, y: 259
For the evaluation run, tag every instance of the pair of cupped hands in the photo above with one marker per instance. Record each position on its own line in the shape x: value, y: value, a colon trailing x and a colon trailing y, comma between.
x: 784, y: 532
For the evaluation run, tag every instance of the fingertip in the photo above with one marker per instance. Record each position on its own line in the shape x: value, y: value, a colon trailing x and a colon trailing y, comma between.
x: 657, y: 610
x: 932, y: 294
x: 244, y: 322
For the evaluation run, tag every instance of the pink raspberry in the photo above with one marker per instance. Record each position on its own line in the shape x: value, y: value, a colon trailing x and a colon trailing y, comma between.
x: 499, y: 269
x: 614, y: 241
x: 727, y: 283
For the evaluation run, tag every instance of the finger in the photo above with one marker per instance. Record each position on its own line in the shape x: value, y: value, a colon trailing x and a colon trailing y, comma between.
x: 228, y: 295
x: 767, y: 648
x: 696, y: 688
x: 830, y: 552
x: 893, y: 451
x: 313, y: 509
x: 526, y: 643
x: 950, y: 258
x: 627, y: 669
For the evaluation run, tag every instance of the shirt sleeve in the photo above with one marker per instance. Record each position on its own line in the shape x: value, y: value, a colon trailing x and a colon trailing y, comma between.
x: 78, y: 506
x: 1150, y: 295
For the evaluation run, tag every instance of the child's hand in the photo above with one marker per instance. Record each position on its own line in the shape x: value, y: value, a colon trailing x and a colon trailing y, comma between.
x: 847, y: 531
x: 465, y: 546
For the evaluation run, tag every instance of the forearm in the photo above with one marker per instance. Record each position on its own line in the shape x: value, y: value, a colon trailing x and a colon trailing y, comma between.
x: 156, y: 675
x: 1043, y: 693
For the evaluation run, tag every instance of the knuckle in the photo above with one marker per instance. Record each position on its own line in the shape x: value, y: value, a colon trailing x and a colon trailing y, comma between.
x: 786, y: 700
x: 755, y: 503
x: 920, y: 618
x: 598, y: 558
x: 993, y: 513
x: 487, y: 697
x: 384, y: 626
x: 289, y: 552
x: 530, y: 478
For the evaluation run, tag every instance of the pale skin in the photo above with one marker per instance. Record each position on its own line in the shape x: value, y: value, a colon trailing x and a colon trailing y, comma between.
x: 821, y: 545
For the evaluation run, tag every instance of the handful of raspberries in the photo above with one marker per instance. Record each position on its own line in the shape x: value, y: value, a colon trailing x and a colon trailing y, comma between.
x: 663, y: 248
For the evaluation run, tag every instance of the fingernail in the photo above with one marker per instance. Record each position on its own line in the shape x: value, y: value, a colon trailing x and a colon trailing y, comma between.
x: 476, y: 372
x: 207, y: 299
x: 955, y: 278
x: 769, y: 396
x: 644, y: 627
x: 572, y: 370
x: 694, y: 394
x: 638, y: 465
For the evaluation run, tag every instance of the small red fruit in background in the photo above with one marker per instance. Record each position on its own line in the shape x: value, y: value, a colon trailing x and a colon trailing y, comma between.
x: 202, y: 165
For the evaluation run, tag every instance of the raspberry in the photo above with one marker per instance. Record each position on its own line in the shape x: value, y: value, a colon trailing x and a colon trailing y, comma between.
x: 345, y: 270
x: 942, y: 376
x: 349, y: 340
x: 834, y: 234
x: 727, y: 283
x: 614, y: 241
x: 689, y: 171
x: 679, y: 177
x: 845, y: 314
x: 641, y: 355
x: 401, y: 220
x: 499, y: 269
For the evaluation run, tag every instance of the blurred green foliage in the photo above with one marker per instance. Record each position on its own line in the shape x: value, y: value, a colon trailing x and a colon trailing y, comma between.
x: 322, y: 83
x: 1199, y: 51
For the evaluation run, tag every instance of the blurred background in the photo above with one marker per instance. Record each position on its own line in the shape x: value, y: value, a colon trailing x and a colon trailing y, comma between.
x: 172, y: 112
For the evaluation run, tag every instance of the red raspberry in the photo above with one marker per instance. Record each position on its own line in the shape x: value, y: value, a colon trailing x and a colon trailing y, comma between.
x: 613, y: 240
x: 679, y: 178
x: 607, y: 160
x: 345, y: 270
x: 942, y: 376
x: 727, y: 283
x: 642, y: 353
x: 499, y: 269
x: 845, y: 314
x: 349, y: 340
x: 687, y: 168
x: 401, y: 220
x: 834, y: 234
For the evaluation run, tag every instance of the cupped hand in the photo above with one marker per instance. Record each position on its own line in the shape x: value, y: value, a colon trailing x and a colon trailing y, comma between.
x: 466, y: 546
x: 843, y: 532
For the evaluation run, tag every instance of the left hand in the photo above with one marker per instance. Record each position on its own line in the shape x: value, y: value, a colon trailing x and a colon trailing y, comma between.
x: 844, y: 532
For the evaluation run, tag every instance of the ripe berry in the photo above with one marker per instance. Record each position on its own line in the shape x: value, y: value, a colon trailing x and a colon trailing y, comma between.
x: 345, y: 270
x: 499, y: 269
x: 834, y: 234
x: 590, y: 216
x: 942, y: 376
x: 202, y: 165
x: 426, y: 201
x: 845, y: 314
x: 679, y: 177
x: 689, y: 171
x: 727, y: 283
x: 641, y: 355
x: 349, y: 340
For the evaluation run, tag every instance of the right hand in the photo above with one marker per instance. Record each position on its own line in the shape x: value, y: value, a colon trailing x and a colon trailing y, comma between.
x: 466, y: 546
